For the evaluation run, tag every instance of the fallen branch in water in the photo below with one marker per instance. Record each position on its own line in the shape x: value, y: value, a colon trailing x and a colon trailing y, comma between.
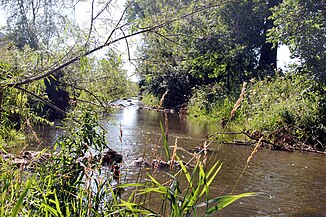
x: 265, y: 143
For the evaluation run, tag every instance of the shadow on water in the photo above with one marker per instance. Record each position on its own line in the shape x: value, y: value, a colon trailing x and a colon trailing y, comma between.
x: 291, y: 184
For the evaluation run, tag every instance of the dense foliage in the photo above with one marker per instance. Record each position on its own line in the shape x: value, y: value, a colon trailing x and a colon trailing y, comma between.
x: 47, y: 70
x: 212, y: 47
x: 301, y: 25
x: 208, y: 42
x: 289, y: 109
x: 91, y: 81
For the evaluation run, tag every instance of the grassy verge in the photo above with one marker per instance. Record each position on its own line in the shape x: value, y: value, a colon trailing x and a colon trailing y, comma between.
x: 287, y: 110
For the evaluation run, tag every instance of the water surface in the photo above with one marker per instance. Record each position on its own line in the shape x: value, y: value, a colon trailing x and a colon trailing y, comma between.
x: 291, y: 184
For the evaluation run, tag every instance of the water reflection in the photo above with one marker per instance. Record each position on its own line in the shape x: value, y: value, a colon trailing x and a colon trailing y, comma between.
x: 129, y: 117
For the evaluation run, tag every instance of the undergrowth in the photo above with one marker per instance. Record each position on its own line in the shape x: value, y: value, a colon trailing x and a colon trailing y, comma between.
x: 287, y: 109
x: 211, y: 103
x: 150, y: 100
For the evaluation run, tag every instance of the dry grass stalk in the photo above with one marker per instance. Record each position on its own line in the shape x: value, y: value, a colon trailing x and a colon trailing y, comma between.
x: 238, y: 103
x: 183, y: 150
x: 205, y: 153
x: 255, y: 149
x: 166, y: 124
x: 34, y: 134
x: 248, y: 160
x: 174, y: 154
x: 162, y: 99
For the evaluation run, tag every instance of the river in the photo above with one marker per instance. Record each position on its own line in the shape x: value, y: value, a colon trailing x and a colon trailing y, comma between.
x: 291, y: 184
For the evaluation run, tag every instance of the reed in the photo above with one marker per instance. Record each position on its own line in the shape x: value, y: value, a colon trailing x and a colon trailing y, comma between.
x: 238, y: 103
x: 174, y: 153
x: 162, y: 100
x: 247, y: 162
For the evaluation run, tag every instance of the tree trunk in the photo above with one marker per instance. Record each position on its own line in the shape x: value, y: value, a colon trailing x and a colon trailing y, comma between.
x: 268, y: 54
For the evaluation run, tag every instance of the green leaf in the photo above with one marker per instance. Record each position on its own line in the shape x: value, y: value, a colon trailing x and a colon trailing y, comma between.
x: 165, y: 143
x: 223, y: 201
x: 21, y: 199
x: 130, y: 185
x: 157, y: 190
x: 185, y: 171
x: 50, y: 208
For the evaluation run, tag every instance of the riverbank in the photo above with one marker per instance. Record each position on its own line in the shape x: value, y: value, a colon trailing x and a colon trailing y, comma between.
x: 289, y: 111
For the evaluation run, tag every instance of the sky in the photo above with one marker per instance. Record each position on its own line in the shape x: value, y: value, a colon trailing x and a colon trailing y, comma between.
x: 82, y: 15
x: 2, y: 18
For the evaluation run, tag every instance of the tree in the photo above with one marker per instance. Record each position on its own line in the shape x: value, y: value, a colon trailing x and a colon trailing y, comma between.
x: 35, y: 22
x: 222, y: 42
x: 71, y: 56
x: 32, y: 74
x: 268, y: 52
x: 301, y: 25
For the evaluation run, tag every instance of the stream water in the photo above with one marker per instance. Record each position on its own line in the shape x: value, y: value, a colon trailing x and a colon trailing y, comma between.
x: 291, y: 184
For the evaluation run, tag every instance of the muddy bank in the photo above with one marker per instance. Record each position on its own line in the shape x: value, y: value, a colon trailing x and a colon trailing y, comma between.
x: 31, y: 159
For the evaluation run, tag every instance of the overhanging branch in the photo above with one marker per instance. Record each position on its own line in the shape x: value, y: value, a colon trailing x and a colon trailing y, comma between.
x: 106, y: 44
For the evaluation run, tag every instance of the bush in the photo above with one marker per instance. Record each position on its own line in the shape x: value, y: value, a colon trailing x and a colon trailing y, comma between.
x: 150, y: 100
x: 292, y: 105
x: 211, y: 103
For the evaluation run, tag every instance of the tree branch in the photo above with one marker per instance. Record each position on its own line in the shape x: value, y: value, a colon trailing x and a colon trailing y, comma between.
x: 41, y: 99
x: 106, y: 44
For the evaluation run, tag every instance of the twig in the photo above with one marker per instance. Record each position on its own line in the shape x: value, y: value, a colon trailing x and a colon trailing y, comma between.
x: 41, y: 99
x: 247, y: 162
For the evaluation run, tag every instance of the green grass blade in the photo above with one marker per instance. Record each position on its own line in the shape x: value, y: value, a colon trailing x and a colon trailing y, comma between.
x: 223, y: 201
x: 213, y: 168
x: 185, y: 171
x: 57, y: 204
x: 214, y: 175
x: 154, y: 180
x: 49, y: 208
x: 209, y: 182
x: 157, y: 190
x: 165, y: 142
x: 21, y: 199
x: 130, y: 185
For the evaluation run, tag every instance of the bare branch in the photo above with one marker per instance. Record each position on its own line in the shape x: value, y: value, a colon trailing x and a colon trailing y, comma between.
x: 92, y: 24
x: 90, y: 93
x: 103, y: 8
x: 168, y: 39
x: 127, y: 44
x: 118, y: 23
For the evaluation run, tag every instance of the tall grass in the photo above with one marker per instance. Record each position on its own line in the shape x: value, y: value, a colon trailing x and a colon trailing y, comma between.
x: 289, y: 110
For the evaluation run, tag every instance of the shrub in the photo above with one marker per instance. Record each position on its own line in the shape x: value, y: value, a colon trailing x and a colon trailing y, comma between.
x: 150, y: 100
x: 211, y: 103
x: 292, y: 104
